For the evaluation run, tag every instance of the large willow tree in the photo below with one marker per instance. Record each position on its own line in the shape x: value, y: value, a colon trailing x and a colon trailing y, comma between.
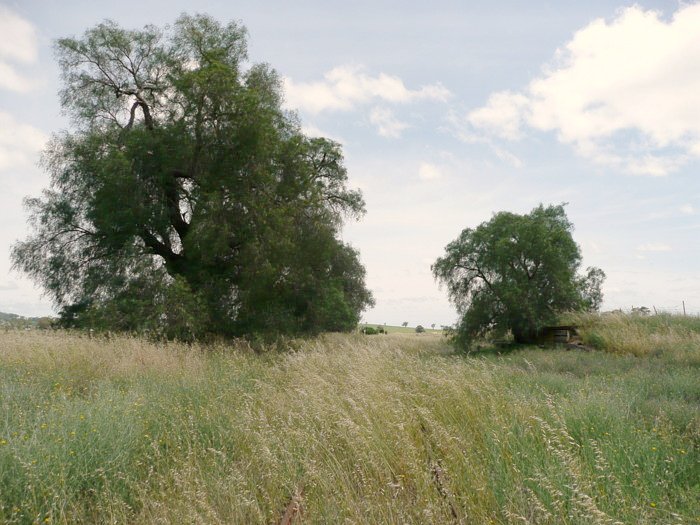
x: 516, y: 273
x: 185, y: 200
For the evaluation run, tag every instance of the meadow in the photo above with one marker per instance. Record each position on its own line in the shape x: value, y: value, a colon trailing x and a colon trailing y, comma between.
x: 391, y: 329
x: 352, y: 429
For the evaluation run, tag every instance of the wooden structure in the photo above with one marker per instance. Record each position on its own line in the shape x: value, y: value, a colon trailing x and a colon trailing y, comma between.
x: 552, y: 335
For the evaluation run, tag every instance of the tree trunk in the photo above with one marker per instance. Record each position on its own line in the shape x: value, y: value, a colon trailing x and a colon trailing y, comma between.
x: 523, y: 336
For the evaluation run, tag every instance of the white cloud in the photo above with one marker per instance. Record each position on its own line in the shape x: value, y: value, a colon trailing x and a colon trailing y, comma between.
x: 507, y: 156
x: 386, y: 123
x: 624, y: 93
x: 310, y: 130
x: 19, y: 143
x: 427, y: 171
x: 502, y: 116
x: 687, y: 209
x: 464, y: 131
x: 18, y: 40
x: 654, y: 247
x: 18, y: 44
x: 11, y: 80
x: 345, y: 87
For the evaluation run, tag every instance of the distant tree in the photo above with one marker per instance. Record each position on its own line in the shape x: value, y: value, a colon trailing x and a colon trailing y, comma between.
x: 404, y: 324
x: 186, y: 200
x: 44, y: 323
x: 517, y: 273
x: 420, y: 329
x: 432, y: 326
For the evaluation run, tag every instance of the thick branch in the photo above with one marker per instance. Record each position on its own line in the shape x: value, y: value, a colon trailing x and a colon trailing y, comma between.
x: 173, y: 200
x: 488, y: 283
x: 159, y: 248
x: 132, y: 115
x: 148, y: 119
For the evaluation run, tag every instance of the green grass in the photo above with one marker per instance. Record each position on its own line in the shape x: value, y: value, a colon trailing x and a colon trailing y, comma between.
x: 384, y: 429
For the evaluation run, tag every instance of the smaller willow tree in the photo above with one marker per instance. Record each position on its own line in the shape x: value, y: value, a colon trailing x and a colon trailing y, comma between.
x: 516, y: 273
x: 185, y: 200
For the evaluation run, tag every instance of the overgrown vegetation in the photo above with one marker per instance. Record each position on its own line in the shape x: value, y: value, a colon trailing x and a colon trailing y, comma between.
x: 641, y: 335
x: 393, y: 429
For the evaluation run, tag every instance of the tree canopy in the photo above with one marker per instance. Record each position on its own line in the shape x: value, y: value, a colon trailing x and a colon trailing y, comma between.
x: 185, y: 200
x: 516, y: 272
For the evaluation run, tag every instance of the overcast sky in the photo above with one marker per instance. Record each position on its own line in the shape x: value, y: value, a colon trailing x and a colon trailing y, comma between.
x: 448, y: 112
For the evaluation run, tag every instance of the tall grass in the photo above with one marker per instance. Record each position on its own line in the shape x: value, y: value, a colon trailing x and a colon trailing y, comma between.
x: 674, y: 336
x: 355, y: 429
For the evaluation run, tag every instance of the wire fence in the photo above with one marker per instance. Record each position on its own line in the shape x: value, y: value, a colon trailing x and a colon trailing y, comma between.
x: 682, y: 308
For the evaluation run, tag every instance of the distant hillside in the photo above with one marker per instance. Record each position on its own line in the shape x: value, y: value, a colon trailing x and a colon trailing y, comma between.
x: 19, y: 321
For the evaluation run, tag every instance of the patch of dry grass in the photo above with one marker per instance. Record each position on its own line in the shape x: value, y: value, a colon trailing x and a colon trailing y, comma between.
x: 98, y: 357
x: 675, y: 336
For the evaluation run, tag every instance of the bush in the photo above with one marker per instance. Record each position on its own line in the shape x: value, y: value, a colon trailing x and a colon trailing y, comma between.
x: 420, y: 329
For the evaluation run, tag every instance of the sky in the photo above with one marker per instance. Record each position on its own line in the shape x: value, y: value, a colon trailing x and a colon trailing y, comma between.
x: 448, y: 112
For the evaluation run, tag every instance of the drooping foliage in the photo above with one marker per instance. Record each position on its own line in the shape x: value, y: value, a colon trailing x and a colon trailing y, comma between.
x: 185, y: 200
x: 516, y: 273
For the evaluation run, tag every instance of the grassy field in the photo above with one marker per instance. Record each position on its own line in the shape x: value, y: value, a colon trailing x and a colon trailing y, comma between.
x: 401, y: 329
x: 347, y: 429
